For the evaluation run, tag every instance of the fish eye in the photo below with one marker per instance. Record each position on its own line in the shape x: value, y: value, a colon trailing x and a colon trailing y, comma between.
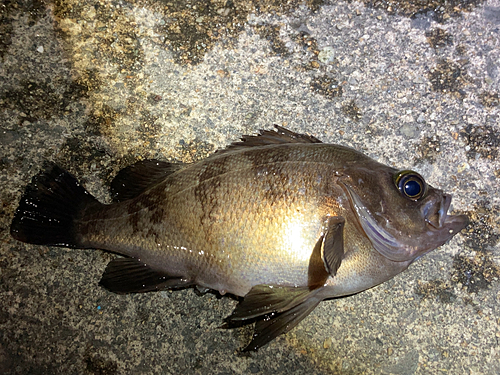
x: 410, y: 184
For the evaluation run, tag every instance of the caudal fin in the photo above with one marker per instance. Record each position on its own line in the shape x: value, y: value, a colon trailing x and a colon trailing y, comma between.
x: 49, y: 207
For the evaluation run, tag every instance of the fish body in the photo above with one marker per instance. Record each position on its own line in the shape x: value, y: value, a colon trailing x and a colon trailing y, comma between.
x: 280, y: 219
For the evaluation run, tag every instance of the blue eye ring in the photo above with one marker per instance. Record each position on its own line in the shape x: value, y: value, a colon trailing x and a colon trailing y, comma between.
x: 410, y: 184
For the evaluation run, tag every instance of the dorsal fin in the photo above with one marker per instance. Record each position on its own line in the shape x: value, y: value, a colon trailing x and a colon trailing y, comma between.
x: 270, y: 137
x: 133, y: 180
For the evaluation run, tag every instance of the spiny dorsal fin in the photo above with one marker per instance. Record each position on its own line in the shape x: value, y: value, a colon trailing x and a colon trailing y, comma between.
x: 133, y: 180
x: 270, y: 137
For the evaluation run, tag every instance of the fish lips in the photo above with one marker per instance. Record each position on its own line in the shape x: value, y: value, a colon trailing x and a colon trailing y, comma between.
x: 436, y: 215
x: 439, y: 223
x: 440, y: 227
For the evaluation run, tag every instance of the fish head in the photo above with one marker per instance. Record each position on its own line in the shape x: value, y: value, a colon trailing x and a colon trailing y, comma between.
x: 403, y: 216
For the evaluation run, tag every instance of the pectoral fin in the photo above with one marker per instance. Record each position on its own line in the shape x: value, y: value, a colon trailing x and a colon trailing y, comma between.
x: 332, y: 249
x: 278, y: 308
x: 130, y: 275
x: 328, y: 253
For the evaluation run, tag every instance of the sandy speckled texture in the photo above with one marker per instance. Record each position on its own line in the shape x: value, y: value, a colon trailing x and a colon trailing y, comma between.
x: 96, y: 85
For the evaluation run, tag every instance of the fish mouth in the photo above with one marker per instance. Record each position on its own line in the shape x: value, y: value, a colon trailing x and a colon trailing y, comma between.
x: 436, y: 214
x: 440, y: 228
x: 437, y: 218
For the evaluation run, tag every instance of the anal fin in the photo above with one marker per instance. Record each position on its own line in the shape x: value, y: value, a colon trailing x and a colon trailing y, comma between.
x: 130, y: 275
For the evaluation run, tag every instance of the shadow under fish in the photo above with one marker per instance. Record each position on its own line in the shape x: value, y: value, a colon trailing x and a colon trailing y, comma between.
x: 280, y: 219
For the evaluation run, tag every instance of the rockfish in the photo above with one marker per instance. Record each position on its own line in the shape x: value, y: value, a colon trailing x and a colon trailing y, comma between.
x: 280, y: 219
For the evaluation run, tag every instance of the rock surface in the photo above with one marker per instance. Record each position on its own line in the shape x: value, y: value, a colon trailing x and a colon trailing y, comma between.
x: 95, y: 85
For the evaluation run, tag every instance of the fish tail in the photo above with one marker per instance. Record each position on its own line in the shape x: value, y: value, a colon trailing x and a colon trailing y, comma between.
x: 49, y: 207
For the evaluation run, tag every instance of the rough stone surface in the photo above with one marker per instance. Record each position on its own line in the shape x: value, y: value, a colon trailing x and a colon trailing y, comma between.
x: 97, y: 84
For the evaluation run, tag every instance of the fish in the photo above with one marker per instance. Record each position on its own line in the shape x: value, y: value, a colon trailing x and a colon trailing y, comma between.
x: 279, y: 220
